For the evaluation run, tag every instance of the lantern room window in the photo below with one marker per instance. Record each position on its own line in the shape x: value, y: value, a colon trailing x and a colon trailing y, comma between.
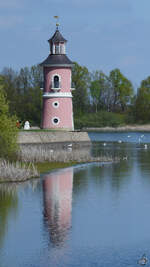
x: 57, y: 48
x: 62, y: 49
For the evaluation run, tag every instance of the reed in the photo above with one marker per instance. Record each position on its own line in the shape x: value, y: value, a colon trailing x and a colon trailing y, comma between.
x: 16, y: 172
x: 37, y: 154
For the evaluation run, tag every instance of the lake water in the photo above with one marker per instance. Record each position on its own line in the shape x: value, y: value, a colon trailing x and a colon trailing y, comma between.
x: 89, y: 215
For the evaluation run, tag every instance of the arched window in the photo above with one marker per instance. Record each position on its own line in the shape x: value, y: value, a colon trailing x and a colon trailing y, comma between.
x: 56, y: 81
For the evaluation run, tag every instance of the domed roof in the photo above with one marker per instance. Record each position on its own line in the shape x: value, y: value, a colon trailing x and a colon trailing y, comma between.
x: 57, y: 37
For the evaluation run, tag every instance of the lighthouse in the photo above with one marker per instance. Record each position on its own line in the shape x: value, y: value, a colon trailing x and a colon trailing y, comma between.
x: 57, y: 112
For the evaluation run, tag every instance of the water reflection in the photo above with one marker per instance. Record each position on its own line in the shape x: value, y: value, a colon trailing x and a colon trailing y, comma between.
x: 106, y: 224
x: 143, y: 165
x: 8, y: 206
x: 123, y: 151
x: 116, y: 173
x: 57, y: 190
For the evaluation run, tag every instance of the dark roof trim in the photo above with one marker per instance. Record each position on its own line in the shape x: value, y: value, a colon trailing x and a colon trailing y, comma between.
x: 57, y: 60
x: 57, y: 65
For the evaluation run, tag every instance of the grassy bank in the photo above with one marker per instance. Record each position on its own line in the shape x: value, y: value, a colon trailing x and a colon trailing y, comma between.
x: 36, y: 159
x: 20, y: 172
x: 48, y: 166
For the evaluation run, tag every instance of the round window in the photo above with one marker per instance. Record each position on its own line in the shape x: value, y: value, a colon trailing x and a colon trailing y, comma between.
x: 55, y: 104
x: 55, y: 120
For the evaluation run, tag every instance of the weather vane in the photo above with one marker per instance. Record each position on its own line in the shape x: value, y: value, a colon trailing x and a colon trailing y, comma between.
x: 57, y: 23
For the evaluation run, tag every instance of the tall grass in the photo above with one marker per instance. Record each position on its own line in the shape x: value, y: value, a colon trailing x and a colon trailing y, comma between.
x: 25, y: 169
x: 37, y: 154
x: 11, y: 172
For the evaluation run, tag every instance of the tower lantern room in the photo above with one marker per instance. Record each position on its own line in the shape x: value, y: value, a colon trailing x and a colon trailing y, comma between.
x: 57, y: 110
x: 57, y: 44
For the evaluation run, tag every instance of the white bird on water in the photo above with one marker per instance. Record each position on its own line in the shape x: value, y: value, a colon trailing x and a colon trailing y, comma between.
x: 119, y: 141
x: 104, y: 144
x: 143, y: 260
x: 70, y: 145
x: 145, y: 146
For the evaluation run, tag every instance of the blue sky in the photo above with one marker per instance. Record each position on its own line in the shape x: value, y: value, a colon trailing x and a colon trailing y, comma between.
x: 101, y: 34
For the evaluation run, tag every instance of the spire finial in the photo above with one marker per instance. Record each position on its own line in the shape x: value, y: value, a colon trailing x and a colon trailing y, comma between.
x: 57, y: 23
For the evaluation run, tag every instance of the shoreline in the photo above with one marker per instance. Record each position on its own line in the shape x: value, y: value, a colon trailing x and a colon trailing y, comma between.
x: 50, y: 166
x: 45, y: 167
x: 127, y: 128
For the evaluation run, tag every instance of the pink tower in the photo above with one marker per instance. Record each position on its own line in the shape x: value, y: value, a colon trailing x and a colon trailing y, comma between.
x: 57, y: 93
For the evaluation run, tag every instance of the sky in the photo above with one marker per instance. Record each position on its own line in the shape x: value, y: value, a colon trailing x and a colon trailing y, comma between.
x: 102, y: 34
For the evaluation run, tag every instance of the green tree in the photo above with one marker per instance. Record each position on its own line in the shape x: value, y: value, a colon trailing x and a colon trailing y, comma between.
x: 122, y: 90
x: 23, y: 93
x: 10, y: 87
x: 8, y: 129
x: 100, y: 90
x: 30, y: 104
x: 142, y: 103
x: 81, y: 82
x: 95, y: 92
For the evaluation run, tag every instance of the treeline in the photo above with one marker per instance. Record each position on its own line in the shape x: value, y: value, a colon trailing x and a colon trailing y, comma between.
x: 23, y: 92
x: 98, y: 99
x: 8, y: 130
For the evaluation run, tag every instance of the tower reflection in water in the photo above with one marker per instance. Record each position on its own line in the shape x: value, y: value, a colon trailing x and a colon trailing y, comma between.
x: 57, y: 190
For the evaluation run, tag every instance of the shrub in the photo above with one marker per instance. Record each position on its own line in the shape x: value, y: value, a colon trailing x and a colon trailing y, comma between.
x: 8, y: 129
x: 99, y: 119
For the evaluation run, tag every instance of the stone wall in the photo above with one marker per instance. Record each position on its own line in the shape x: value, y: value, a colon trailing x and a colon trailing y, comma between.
x: 35, y: 137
